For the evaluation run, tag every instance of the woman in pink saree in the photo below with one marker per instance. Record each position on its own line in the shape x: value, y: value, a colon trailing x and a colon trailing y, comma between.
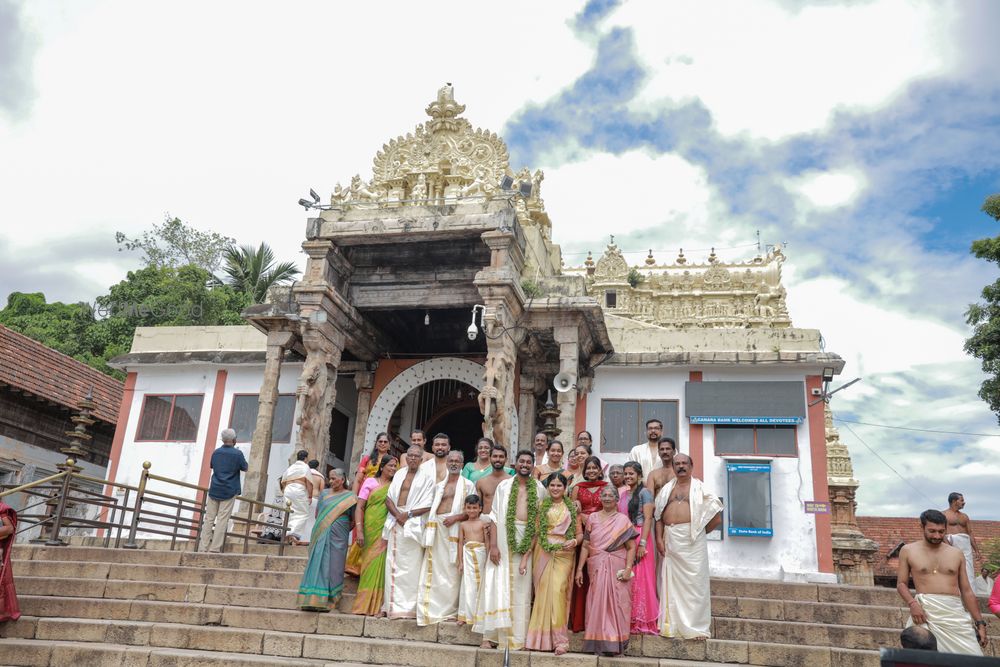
x: 552, y: 569
x: 636, y: 502
x: 9, y: 610
x: 609, y: 553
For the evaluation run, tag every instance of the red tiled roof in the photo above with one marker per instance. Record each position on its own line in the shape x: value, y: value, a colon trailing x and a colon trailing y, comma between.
x: 888, y: 531
x: 30, y: 366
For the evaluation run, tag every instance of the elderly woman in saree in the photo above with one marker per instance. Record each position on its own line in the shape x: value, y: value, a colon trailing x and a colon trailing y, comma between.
x: 323, y: 580
x: 636, y: 502
x: 369, y: 518
x: 552, y: 569
x: 608, y: 553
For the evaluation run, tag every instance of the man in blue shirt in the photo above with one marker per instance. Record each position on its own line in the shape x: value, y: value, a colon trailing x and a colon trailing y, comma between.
x: 227, y: 463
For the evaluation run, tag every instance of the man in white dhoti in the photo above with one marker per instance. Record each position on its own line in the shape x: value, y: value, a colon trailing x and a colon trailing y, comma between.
x: 297, y: 488
x: 437, y: 465
x: 960, y: 532
x: 982, y: 586
x: 408, y: 502
x: 505, y: 594
x: 684, y: 512
x: 646, y: 453
x: 318, y: 480
x: 944, y: 602
x: 440, y: 583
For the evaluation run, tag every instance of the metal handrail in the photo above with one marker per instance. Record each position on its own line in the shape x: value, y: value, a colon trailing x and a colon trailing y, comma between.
x: 174, y: 516
x: 39, y: 482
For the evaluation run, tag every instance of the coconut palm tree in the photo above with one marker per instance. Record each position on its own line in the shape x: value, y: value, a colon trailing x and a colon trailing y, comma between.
x: 253, y: 271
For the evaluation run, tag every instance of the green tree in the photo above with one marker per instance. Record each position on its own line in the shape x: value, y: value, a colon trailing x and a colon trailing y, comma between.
x: 61, y: 326
x: 984, y: 317
x: 253, y: 271
x: 174, y: 244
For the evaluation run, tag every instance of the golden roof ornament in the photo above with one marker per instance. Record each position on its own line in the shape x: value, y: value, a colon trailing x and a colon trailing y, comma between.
x: 589, y: 262
x: 649, y: 258
x: 681, y: 259
x: 712, y: 259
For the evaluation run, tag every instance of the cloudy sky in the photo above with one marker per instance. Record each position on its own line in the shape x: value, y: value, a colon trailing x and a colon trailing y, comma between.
x: 864, y: 134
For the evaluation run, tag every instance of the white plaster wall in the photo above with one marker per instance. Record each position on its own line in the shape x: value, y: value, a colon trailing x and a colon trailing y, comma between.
x: 790, y: 555
x: 182, y: 460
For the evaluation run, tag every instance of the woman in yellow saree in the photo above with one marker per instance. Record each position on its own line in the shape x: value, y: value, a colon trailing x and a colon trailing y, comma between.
x: 552, y: 569
x: 367, y: 468
x: 369, y: 518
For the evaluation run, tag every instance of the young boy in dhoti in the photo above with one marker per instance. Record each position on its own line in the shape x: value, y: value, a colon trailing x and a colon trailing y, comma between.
x: 471, y: 558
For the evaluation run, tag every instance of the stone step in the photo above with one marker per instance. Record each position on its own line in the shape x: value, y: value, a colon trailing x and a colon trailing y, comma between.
x: 154, y: 544
x: 30, y: 653
x: 130, y: 638
x: 271, y: 563
x: 175, y: 574
x: 805, y: 612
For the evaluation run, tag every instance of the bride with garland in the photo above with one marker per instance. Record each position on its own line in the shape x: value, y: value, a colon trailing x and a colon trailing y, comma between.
x: 552, y: 565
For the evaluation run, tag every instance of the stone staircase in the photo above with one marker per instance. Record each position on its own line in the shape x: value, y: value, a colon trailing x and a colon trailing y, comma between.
x: 97, y: 607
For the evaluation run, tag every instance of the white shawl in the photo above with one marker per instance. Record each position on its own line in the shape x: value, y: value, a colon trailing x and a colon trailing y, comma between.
x: 704, y: 505
x: 298, y: 470
x: 420, y: 496
x: 463, y: 487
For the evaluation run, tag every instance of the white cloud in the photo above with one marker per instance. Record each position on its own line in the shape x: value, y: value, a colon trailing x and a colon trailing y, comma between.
x: 224, y: 114
x: 826, y: 190
x: 603, y: 194
x: 769, y: 72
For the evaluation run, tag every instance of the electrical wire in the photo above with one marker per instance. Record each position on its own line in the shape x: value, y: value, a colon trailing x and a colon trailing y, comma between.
x: 886, y: 463
x: 919, y: 430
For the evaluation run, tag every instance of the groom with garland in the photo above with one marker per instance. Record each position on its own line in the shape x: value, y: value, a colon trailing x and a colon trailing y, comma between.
x: 505, y: 594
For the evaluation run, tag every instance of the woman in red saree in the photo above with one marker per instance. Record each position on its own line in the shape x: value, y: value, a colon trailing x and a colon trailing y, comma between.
x: 588, y: 494
x: 608, y: 553
x: 9, y: 609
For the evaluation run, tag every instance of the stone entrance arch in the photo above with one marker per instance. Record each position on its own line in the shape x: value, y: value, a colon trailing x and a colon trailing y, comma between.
x: 441, y: 368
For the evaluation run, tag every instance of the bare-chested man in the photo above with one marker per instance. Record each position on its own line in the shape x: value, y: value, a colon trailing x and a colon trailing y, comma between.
x: 960, y: 532
x: 419, y: 438
x: 408, y: 503
x: 505, y: 596
x: 944, y: 599
x: 657, y: 479
x: 540, y: 445
x: 487, y: 486
x: 437, y: 465
x: 685, y: 511
x: 437, y: 596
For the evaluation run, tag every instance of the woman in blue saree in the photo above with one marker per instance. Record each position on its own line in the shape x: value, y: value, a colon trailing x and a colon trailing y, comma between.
x: 323, y: 580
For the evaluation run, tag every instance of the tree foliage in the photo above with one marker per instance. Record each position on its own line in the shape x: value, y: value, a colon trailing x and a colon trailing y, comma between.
x: 253, y: 271
x: 984, y: 317
x: 174, y: 244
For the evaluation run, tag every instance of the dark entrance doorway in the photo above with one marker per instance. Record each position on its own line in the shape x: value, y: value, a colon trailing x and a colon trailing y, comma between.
x: 464, y: 425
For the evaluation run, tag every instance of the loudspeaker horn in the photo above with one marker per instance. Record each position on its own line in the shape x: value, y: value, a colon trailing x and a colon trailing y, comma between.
x: 564, y: 382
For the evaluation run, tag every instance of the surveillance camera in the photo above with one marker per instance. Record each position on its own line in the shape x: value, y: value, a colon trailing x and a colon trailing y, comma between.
x: 473, y: 331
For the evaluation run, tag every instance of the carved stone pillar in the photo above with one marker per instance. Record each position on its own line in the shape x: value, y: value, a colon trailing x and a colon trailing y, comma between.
x: 853, y: 553
x: 260, y: 443
x: 317, y: 389
x: 526, y: 411
x: 499, y: 286
x: 568, y: 338
x: 365, y: 382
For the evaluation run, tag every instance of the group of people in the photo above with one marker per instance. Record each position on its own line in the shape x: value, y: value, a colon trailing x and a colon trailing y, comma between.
x: 523, y: 551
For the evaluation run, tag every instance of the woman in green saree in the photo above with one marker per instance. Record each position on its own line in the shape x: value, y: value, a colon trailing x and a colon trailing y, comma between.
x: 323, y: 580
x: 369, y: 518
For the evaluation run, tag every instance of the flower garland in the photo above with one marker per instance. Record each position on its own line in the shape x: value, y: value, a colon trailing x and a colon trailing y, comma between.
x: 543, y: 528
x: 524, y: 545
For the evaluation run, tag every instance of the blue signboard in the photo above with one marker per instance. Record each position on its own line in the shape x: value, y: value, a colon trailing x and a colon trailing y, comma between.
x: 765, y: 421
x: 750, y: 499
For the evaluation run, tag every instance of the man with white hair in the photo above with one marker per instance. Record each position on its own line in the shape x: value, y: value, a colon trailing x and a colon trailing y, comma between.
x: 227, y: 464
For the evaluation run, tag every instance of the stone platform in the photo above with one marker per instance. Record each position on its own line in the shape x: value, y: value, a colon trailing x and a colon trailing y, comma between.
x: 100, y: 607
